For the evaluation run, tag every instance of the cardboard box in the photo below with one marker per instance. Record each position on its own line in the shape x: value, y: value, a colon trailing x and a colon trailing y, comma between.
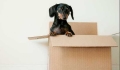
x: 84, y: 51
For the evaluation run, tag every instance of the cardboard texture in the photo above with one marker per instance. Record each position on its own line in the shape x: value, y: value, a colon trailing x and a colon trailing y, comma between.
x: 38, y: 37
x: 84, y: 51
x: 82, y: 41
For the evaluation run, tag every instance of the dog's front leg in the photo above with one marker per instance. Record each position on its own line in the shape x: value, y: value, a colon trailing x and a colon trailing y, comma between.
x: 69, y: 34
x: 53, y: 33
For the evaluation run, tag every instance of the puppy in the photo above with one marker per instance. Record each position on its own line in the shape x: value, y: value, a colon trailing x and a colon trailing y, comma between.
x: 60, y: 12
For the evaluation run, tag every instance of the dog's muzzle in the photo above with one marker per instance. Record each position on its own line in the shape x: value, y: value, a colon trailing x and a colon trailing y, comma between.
x: 63, y: 16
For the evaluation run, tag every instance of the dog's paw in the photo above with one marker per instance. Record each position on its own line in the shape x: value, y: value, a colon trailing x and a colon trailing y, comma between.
x: 69, y: 34
x: 53, y: 34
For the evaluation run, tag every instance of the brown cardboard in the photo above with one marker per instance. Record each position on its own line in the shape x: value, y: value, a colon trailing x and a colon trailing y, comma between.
x: 38, y: 37
x: 82, y: 57
x: 82, y: 41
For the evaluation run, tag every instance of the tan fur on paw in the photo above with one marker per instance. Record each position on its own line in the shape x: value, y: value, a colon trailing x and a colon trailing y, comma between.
x: 53, y: 34
x: 69, y: 34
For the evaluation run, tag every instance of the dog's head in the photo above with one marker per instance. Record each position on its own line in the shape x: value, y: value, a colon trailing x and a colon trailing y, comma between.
x: 61, y: 10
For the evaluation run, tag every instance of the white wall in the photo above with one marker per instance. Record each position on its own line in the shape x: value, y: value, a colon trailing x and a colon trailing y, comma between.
x: 20, y: 19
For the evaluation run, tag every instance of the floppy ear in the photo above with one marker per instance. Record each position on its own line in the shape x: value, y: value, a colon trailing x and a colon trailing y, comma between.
x: 52, y: 10
x: 71, y: 12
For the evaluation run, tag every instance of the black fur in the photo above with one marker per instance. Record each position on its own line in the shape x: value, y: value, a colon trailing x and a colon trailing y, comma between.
x: 60, y: 26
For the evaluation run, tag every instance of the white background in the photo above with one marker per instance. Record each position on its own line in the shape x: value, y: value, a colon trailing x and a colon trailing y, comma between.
x: 20, y: 19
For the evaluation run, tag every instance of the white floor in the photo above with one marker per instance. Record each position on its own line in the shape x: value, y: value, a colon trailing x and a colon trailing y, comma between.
x: 115, y: 54
x: 34, y: 67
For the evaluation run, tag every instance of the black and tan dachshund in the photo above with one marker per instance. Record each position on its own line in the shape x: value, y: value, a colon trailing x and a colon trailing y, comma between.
x: 60, y: 12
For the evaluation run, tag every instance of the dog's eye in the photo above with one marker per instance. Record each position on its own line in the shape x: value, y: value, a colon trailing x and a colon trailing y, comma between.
x: 60, y: 10
x: 67, y: 10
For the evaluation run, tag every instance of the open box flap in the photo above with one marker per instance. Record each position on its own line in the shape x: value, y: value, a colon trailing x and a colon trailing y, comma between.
x: 82, y: 41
